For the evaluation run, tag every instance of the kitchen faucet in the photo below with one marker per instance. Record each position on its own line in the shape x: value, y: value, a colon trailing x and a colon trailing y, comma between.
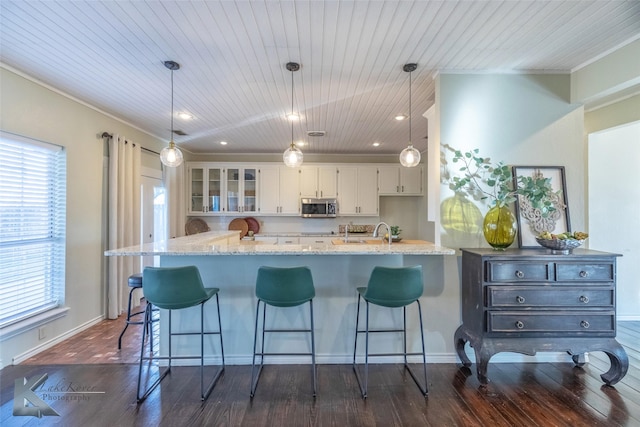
x: 346, y: 233
x: 375, y: 231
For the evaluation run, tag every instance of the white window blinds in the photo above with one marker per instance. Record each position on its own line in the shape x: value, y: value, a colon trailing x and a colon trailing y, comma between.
x: 32, y: 227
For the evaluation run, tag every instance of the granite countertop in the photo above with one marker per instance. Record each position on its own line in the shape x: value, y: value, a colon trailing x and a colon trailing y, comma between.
x: 229, y: 243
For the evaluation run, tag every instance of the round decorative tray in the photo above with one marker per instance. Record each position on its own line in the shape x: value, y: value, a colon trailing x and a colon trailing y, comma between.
x: 560, y: 246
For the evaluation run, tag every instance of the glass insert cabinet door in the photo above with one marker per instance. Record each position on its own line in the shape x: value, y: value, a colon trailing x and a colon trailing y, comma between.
x: 215, y: 189
x: 241, y: 190
x: 249, y: 201
x: 205, y: 189
x: 197, y: 190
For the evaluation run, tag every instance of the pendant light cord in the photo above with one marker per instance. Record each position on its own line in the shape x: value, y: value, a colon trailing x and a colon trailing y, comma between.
x: 171, y: 138
x: 410, y: 143
x: 291, y: 118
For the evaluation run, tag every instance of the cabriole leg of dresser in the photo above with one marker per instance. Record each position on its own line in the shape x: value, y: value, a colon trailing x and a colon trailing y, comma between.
x: 619, y: 363
x: 578, y: 359
x: 460, y: 340
x: 483, y: 354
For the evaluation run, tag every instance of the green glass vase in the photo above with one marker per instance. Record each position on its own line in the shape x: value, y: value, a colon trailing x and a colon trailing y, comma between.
x: 499, y: 227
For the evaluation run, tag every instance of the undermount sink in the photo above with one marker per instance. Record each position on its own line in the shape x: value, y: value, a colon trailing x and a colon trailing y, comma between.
x: 356, y: 242
x: 376, y: 242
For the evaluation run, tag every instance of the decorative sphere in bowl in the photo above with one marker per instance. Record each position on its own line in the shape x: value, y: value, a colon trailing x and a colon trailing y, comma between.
x: 560, y: 246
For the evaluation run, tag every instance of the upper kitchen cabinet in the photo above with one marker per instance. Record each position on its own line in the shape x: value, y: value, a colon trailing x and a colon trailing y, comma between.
x: 279, y: 190
x: 358, y: 190
x: 241, y: 187
x: 205, y: 189
x: 318, y: 182
x: 400, y: 181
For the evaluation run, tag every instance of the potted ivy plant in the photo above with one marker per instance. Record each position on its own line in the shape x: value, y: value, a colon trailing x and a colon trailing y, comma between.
x: 395, y: 231
x: 482, y: 179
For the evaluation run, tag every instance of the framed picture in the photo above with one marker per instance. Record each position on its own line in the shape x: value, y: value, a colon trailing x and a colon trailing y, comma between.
x: 530, y: 220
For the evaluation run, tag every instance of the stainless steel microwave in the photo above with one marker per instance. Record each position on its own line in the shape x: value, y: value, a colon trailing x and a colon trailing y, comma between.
x: 318, y: 208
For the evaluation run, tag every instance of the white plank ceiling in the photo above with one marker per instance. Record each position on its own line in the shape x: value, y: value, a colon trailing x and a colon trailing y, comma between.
x: 233, y: 79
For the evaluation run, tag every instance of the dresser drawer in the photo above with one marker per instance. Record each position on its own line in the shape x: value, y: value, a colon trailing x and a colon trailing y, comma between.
x: 549, y: 296
x: 500, y: 271
x: 601, y: 323
x: 592, y: 272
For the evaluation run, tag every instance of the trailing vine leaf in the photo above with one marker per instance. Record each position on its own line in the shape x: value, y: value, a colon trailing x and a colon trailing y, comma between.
x: 481, y: 180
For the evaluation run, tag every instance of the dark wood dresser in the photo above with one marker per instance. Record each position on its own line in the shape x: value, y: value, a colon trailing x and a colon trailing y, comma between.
x: 529, y: 300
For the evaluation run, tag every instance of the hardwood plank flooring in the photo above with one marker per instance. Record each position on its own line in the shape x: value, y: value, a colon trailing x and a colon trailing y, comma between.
x: 522, y: 394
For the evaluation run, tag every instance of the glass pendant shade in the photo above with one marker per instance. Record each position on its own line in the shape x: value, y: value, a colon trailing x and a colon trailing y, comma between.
x: 171, y: 156
x: 292, y: 156
x: 409, y: 157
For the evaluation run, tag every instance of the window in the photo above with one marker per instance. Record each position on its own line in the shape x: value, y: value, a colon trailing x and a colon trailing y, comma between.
x: 32, y: 227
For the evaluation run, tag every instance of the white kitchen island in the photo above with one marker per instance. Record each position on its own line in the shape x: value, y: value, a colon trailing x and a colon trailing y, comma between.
x: 231, y: 264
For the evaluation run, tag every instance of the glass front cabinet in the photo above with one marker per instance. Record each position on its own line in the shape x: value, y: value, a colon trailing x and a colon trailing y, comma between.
x: 241, y: 190
x: 218, y: 189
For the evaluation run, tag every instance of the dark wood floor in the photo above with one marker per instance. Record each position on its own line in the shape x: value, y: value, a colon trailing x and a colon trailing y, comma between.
x: 542, y: 394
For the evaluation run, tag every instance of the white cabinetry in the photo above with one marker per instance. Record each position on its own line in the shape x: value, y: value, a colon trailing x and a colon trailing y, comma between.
x: 205, y: 190
x: 398, y: 180
x: 279, y: 190
x: 288, y: 240
x: 241, y: 187
x: 358, y: 190
x: 318, y: 181
x: 310, y: 240
x: 216, y: 189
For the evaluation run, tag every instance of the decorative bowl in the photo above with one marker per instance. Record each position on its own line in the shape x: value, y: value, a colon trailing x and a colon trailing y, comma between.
x: 560, y: 246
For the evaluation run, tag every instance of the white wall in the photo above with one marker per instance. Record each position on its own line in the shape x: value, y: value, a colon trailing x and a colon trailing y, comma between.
x: 517, y: 119
x: 614, y: 203
x: 520, y: 120
x: 30, y: 109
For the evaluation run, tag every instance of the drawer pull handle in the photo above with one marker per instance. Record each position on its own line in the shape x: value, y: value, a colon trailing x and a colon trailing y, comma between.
x: 584, y: 299
x: 585, y: 324
x: 520, y: 299
x: 584, y: 274
x: 519, y: 274
x: 519, y: 324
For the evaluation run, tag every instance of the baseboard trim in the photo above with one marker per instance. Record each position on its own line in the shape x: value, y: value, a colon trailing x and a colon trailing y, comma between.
x: 60, y: 338
x: 241, y: 359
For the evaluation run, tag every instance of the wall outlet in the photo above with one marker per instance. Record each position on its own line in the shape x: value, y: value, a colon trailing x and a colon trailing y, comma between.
x: 42, y: 333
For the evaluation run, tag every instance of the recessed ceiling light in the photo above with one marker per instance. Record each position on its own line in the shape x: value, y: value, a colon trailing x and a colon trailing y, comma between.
x: 401, y: 117
x: 293, y: 117
x: 301, y: 143
x: 185, y: 116
x: 376, y: 144
x: 223, y: 142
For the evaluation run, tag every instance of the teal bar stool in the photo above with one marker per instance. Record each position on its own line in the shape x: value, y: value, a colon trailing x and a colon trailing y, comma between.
x: 390, y: 287
x: 174, y: 289
x: 282, y: 287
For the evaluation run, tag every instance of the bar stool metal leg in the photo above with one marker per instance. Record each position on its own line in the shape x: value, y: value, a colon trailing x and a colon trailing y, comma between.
x: 408, y: 287
x: 177, y: 288
x: 282, y: 287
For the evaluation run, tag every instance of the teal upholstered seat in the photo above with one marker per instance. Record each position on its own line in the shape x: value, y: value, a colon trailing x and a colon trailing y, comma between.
x: 171, y: 289
x: 282, y: 287
x: 175, y: 288
x: 391, y: 287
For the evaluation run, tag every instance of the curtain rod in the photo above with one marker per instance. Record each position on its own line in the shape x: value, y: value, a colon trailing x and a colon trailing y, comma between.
x: 108, y: 135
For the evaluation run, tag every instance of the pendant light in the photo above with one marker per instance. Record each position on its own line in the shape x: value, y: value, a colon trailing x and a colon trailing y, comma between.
x: 171, y: 156
x: 409, y: 157
x: 292, y: 156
